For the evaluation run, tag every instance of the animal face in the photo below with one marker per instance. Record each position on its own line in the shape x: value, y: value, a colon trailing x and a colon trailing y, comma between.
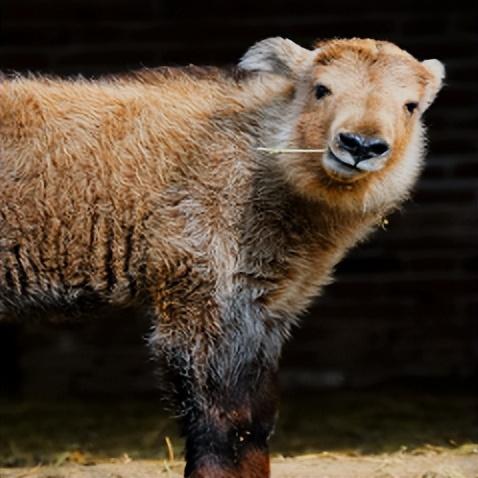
x: 364, y: 102
x: 359, y: 100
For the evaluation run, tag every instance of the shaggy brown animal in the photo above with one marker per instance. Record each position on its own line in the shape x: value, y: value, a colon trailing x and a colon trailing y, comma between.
x: 149, y: 190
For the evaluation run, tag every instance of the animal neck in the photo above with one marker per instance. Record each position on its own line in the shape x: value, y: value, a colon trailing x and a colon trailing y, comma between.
x: 279, y: 222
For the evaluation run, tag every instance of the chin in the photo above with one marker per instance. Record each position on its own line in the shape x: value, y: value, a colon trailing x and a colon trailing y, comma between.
x: 326, y: 179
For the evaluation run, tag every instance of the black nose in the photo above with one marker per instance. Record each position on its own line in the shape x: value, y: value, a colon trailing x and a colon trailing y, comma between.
x: 362, y: 147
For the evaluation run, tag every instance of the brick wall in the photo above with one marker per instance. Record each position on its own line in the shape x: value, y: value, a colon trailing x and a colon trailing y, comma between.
x: 405, y: 304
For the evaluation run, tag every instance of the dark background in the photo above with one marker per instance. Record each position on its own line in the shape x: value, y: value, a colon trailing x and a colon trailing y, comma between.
x: 404, y: 306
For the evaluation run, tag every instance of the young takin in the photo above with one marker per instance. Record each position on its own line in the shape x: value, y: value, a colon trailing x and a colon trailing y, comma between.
x: 152, y: 190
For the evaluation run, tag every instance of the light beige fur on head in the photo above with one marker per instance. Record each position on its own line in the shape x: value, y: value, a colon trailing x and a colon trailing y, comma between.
x: 370, y: 84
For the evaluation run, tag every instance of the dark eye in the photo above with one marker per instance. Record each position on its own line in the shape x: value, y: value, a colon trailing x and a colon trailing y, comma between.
x: 411, y: 107
x: 321, y: 91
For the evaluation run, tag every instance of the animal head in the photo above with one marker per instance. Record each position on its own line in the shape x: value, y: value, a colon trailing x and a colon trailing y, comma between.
x: 361, y: 101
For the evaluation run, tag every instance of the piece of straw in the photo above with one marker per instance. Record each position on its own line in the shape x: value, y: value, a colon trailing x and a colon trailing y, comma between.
x: 170, y: 449
x: 289, y: 150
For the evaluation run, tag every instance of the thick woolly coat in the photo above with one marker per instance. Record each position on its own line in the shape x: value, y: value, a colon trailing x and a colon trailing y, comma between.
x: 149, y: 190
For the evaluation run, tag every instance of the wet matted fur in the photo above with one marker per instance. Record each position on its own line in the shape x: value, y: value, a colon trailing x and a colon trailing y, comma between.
x: 148, y: 190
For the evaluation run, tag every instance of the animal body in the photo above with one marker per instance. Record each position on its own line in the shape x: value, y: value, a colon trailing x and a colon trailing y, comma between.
x: 149, y: 190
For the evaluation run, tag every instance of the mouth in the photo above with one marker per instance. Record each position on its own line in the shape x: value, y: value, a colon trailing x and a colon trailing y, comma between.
x: 339, y: 167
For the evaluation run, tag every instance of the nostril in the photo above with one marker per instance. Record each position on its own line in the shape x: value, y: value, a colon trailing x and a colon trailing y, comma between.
x: 378, y: 147
x: 349, y: 141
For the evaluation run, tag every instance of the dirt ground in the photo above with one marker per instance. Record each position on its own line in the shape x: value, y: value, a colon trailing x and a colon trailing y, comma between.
x: 399, y: 465
x: 375, y: 434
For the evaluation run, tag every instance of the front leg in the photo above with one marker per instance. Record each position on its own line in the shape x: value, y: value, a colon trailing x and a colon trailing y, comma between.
x: 224, y: 387
x: 227, y: 435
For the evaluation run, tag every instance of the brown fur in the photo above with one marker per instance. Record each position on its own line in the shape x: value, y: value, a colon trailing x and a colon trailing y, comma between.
x: 148, y: 189
x: 254, y: 464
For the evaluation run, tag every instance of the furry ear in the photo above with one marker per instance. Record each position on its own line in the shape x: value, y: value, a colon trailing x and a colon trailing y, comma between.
x: 436, y: 74
x: 275, y: 55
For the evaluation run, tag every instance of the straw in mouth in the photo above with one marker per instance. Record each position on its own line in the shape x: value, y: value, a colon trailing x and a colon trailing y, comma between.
x: 289, y: 150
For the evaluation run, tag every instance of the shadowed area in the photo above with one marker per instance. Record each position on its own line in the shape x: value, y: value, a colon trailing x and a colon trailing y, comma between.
x: 355, y: 423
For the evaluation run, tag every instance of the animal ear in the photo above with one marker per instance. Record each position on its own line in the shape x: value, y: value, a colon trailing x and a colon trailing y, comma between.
x: 275, y: 55
x: 436, y: 75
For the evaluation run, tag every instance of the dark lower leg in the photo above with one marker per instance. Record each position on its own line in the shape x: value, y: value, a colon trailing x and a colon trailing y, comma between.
x: 227, y: 435
x: 255, y: 464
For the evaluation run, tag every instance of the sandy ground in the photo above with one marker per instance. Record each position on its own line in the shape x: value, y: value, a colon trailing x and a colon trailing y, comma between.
x: 399, y: 465
x: 387, y: 434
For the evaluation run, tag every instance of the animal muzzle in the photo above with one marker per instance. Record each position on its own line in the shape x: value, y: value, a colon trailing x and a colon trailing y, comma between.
x: 350, y: 154
x: 360, y: 147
